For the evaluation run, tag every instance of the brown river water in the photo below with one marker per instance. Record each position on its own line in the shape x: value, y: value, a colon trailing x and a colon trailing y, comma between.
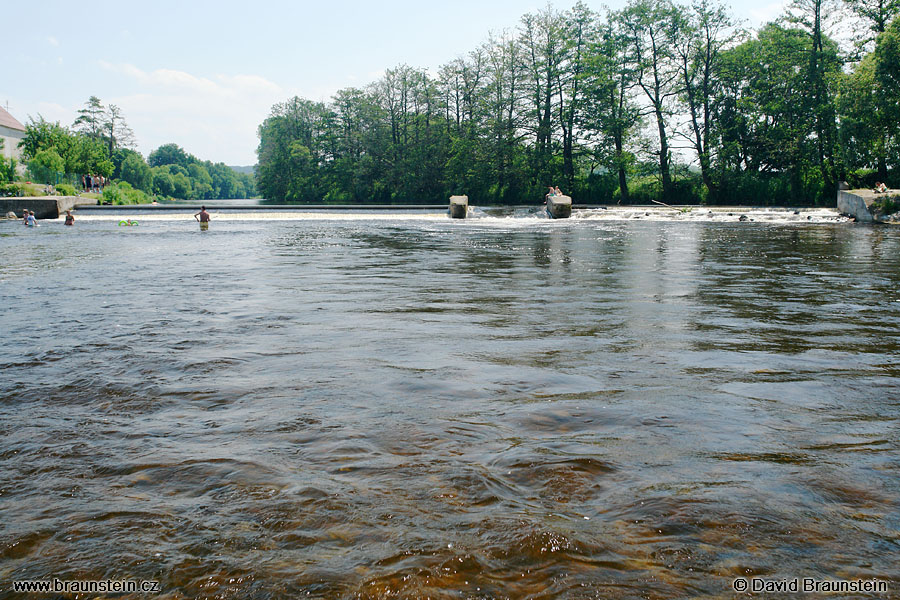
x: 405, y: 406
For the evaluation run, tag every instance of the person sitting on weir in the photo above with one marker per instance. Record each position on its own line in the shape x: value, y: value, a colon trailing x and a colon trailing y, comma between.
x: 880, y: 188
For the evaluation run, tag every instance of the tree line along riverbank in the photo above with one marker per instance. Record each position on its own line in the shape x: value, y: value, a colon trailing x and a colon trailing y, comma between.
x: 657, y: 101
x: 98, y: 147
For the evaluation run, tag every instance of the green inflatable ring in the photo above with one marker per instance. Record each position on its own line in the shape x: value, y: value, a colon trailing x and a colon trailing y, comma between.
x: 128, y: 223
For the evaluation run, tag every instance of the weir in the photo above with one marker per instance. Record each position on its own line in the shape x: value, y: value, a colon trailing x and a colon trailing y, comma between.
x: 43, y: 207
x: 210, y: 205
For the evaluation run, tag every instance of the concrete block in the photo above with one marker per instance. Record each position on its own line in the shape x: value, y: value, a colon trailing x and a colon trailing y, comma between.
x: 459, y: 207
x: 559, y: 207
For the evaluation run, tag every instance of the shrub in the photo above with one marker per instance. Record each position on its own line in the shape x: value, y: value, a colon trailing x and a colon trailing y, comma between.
x: 45, y: 166
x: 7, y: 169
x: 862, y: 178
x: 122, y: 193
x: 111, y: 195
x: 10, y: 189
x: 65, y: 189
x: 886, y: 206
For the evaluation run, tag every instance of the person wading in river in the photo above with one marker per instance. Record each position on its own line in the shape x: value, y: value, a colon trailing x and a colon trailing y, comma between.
x: 203, y: 218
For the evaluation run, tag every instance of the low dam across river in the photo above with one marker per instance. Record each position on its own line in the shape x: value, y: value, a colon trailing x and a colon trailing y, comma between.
x: 46, y: 207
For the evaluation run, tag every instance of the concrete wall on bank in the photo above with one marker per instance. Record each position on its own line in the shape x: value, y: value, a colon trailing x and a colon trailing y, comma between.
x: 43, y: 208
x: 854, y: 205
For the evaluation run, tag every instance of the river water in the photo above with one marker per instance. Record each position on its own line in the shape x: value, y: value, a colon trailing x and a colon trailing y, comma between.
x: 404, y: 406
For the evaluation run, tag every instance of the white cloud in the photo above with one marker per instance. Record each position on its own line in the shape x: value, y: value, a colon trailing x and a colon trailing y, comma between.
x: 765, y: 13
x: 55, y: 112
x: 215, y: 118
x: 52, y: 41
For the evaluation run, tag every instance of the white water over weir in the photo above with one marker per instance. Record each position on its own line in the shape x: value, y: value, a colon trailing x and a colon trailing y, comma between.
x: 519, y: 216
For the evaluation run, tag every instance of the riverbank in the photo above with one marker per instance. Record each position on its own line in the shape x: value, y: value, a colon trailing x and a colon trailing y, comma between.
x: 868, y: 206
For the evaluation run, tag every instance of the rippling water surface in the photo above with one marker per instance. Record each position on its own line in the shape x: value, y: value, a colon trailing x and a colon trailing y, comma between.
x: 417, y: 407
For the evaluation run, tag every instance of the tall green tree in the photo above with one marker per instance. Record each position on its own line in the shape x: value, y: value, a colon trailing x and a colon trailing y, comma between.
x: 707, y: 33
x: 116, y: 131
x: 170, y: 154
x: 610, y: 115
x: 137, y: 172
x: 821, y: 76
x: 41, y: 134
x: 876, y: 16
x: 653, y: 29
x: 91, y: 118
x: 503, y: 106
x: 543, y: 38
x: 580, y: 27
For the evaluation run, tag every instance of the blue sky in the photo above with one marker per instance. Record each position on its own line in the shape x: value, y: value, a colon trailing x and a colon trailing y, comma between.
x: 205, y: 74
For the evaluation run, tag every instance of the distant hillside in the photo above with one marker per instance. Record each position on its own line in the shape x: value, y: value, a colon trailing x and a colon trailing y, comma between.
x: 248, y: 170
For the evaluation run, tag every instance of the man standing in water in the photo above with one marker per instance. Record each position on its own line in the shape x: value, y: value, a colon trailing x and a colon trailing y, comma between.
x: 203, y: 218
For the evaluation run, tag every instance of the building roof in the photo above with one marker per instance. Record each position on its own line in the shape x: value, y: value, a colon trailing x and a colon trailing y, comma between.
x: 7, y: 120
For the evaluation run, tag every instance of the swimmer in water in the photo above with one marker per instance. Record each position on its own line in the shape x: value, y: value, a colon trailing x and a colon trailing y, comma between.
x: 70, y: 220
x: 29, y: 219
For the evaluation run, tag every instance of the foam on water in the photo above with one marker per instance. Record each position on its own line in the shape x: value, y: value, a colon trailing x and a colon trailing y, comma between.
x: 507, y: 217
x: 705, y: 214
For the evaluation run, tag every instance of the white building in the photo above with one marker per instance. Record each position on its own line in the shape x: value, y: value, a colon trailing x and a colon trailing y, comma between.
x: 11, y: 132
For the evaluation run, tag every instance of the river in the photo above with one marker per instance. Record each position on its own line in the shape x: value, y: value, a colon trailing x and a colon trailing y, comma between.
x: 405, y: 406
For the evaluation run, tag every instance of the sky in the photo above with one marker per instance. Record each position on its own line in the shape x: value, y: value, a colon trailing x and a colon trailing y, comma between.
x: 205, y: 74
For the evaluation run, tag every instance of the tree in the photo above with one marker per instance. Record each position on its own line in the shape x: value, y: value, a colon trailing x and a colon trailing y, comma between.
x: 542, y: 36
x: 504, y: 97
x: 41, y: 134
x: 201, y: 182
x: 7, y: 166
x: 170, y: 154
x: 887, y: 69
x: 46, y: 166
x: 163, y: 183
x: 810, y: 15
x: 886, y: 91
x: 137, y: 172
x: 181, y: 186
x: 653, y: 28
x: 91, y: 118
x: 876, y: 14
x: 708, y: 32
x: 575, y: 97
x: 578, y: 29
x: 116, y: 131
x: 609, y: 115
x: 88, y: 156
